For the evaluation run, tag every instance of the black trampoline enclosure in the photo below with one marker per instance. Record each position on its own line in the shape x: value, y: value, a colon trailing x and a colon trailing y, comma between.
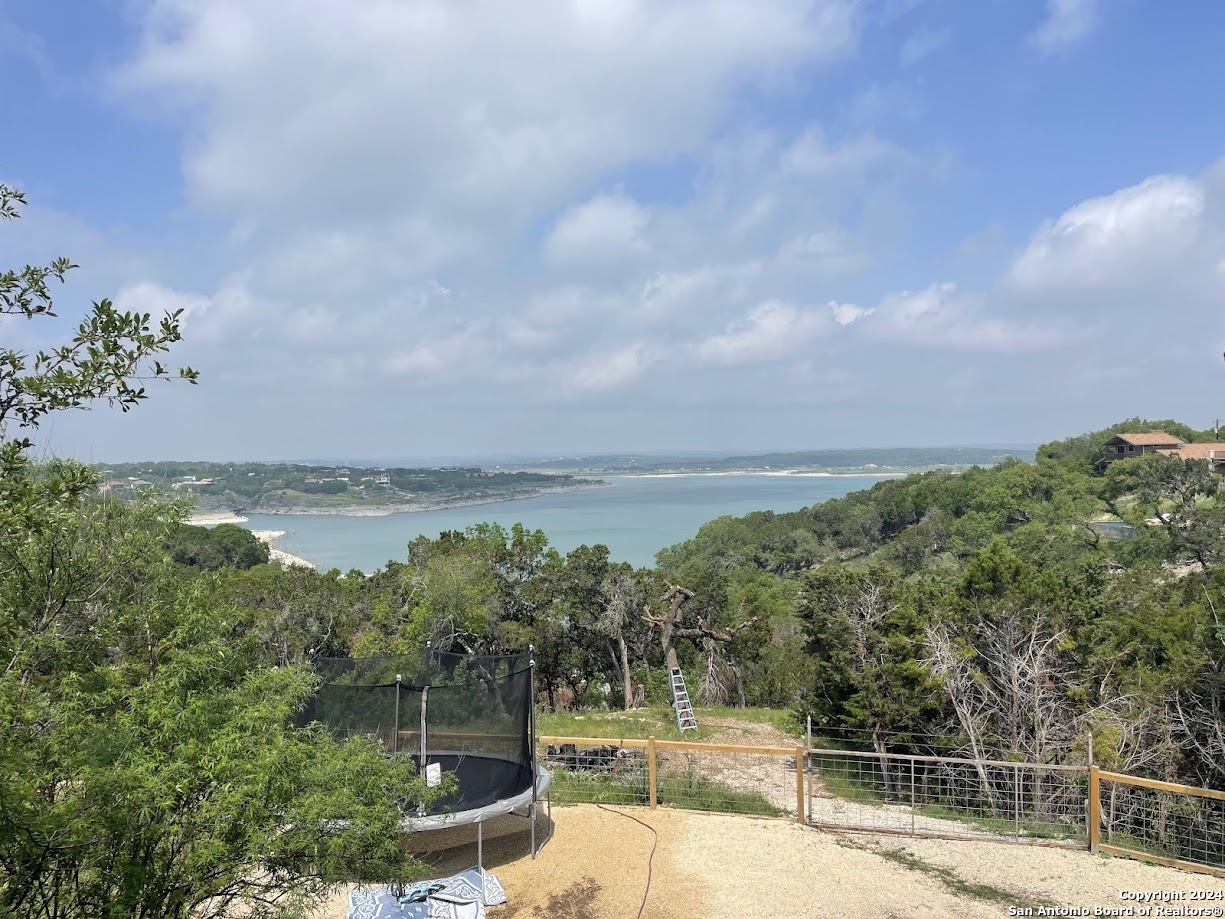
x: 470, y: 715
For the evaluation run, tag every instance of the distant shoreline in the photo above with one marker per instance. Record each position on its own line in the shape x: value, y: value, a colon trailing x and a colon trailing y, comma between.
x: 211, y: 518
x: 793, y: 473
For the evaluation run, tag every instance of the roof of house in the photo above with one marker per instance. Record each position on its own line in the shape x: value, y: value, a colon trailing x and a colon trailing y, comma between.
x: 1148, y: 439
x: 1198, y: 451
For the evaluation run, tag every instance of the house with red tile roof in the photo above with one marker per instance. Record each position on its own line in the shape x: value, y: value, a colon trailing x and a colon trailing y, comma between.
x: 1213, y: 453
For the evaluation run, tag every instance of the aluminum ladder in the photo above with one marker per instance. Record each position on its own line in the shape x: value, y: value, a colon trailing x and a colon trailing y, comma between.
x: 685, y: 719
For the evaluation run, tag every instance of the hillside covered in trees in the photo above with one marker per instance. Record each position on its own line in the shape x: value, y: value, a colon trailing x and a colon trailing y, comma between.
x: 271, y: 488
x: 982, y: 612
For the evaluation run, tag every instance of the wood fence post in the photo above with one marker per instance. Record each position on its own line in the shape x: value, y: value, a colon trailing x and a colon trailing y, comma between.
x: 651, y: 768
x: 1095, y: 809
x: 799, y: 784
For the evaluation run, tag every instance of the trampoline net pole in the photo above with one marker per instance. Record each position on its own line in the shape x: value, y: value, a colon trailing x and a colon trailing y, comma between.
x: 531, y: 732
x: 531, y: 729
x: 395, y: 737
x: 425, y: 692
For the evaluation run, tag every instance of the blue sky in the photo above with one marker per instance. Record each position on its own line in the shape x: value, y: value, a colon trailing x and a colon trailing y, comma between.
x: 439, y: 228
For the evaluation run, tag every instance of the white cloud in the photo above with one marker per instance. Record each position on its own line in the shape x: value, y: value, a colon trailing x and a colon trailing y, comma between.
x: 1109, y: 241
x: 827, y: 253
x: 1067, y: 23
x: 149, y: 297
x: 480, y: 111
x: 847, y: 313
x: 445, y: 357
x: 772, y: 330
x: 923, y: 43
x: 605, y: 230
x: 611, y: 371
x: 812, y: 154
x: 205, y: 318
x: 673, y: 294
x: 942, y: 315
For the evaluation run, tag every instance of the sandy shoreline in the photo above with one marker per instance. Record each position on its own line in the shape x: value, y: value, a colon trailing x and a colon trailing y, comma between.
x: 277, y: 555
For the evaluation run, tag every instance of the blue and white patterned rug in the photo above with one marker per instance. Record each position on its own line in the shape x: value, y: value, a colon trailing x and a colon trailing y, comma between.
x: 462, y: 896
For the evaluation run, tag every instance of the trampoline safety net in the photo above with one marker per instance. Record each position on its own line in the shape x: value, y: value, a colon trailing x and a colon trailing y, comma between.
x: 470, y: 715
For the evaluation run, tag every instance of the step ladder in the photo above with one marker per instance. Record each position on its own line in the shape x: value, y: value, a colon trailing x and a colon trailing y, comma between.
x: 685, y: 719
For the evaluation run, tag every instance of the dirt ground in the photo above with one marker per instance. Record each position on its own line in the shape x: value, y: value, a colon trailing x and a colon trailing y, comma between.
x: 595, y: 866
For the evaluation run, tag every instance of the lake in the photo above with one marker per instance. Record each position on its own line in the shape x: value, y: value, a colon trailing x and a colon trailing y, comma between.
x: 635, y: 517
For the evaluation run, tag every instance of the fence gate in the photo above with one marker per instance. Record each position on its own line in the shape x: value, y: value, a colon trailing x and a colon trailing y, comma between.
x: 948, y: 797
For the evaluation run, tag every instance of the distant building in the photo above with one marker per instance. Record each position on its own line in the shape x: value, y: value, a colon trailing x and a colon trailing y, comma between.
x: 120, y: 486
x: 1213, y: 453
x: 192, y: 483
x: 383, y: 479
x: 1126, y: 446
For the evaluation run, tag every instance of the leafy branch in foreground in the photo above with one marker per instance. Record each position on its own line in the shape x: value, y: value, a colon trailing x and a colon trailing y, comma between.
x: 108, y: 358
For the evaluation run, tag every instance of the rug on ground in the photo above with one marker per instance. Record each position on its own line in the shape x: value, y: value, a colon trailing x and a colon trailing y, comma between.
x: 461, y: 896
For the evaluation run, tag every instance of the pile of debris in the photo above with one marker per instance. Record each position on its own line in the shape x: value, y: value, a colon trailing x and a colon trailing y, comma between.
x: 608, y: 758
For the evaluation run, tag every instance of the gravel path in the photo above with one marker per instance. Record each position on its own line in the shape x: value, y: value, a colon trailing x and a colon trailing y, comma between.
x: 595, y: 867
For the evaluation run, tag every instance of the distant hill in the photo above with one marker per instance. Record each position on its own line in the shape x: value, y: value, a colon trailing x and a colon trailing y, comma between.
x: 836, y: 460
x: 279, y: 488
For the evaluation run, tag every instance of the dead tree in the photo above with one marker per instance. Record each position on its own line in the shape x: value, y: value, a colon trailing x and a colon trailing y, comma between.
x: 671, y: 625
x: 618, y: 600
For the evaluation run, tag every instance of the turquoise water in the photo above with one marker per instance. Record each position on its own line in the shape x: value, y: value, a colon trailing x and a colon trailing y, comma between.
x: 635, y: 518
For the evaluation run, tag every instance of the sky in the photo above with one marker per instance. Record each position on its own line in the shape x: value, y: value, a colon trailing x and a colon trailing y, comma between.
x: 472, y: 227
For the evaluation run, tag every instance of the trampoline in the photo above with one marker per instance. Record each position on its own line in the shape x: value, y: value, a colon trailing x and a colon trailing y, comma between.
x: 466, y: 715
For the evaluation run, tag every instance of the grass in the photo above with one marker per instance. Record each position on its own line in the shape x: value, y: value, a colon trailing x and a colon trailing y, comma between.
x: 640, y: 723
x: 657, y: 721
x: 685, y: 790
x: 865, y: 789
x: 783, y: 719
x: 691, y: 791
x: 951, y: 880
x: 1004, y: 826
x: 1125, y: 840
x: 580, y: 787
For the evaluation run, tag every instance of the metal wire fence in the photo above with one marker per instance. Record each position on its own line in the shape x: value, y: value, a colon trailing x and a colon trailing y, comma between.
x: 708, y: 777
x: 729, y: 780
x: 1163, y: 822
x: 597, y: 771
x: 947, y: 796
x: 937, y: 796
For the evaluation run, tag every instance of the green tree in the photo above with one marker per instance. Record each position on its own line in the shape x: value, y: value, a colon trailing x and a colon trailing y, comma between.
x: 150, y: 764
x: 223, y: 546
x: 863, y: 637
x: 110, y: 357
